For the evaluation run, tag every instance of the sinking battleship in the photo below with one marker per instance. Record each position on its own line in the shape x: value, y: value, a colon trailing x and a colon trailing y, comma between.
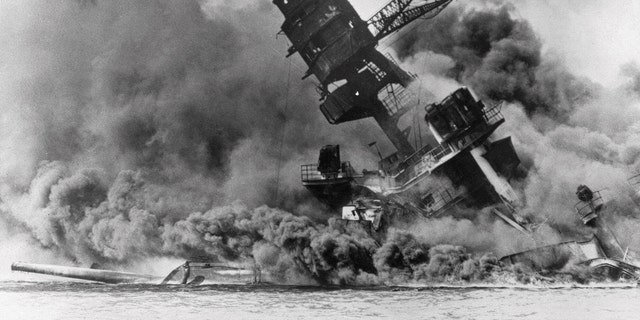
x: 357, y: 82
x: 466, y: 168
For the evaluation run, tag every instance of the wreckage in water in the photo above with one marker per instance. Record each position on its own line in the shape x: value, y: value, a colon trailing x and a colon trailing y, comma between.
x: 190, y: 273
x: 602, y: 253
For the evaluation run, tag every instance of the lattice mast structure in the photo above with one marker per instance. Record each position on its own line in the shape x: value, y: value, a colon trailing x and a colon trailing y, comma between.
x: 356, y: 80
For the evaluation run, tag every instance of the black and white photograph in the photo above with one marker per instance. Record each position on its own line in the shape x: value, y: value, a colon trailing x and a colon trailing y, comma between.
x: 319, y: 159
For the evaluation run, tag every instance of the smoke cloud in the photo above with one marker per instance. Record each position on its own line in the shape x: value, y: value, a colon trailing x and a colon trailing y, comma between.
x: 161, y: 128
x: 567, y: 129
x: 119, y: 118
x: 500, y: 58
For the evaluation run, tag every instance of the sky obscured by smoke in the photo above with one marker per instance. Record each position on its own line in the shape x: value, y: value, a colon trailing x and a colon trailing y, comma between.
x: 569, y: 127
x: 171, y: 107
x: 129, y: 128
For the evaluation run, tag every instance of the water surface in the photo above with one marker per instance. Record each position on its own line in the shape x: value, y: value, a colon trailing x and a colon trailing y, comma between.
x: 78, y: 300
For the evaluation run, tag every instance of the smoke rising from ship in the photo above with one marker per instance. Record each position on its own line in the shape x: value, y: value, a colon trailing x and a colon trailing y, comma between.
x: 568, y: 129
x: 129, y: 129
x: 115, y: 92
x: 500, y: 58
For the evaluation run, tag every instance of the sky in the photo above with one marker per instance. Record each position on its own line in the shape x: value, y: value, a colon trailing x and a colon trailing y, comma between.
x: 594, y: 38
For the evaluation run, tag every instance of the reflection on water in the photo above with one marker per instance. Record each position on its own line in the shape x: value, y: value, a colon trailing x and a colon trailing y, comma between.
x: 75, y: 300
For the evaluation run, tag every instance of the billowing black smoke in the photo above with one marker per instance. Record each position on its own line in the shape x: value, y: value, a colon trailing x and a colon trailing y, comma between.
x: 500, y: 57
x: 129, y: 129
x: 124, y: 117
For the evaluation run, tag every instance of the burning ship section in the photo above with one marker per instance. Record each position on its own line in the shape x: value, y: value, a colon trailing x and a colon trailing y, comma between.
x: 464, y: 169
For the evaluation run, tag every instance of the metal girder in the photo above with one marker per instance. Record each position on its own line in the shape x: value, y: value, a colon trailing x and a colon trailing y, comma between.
x: 397, y: 14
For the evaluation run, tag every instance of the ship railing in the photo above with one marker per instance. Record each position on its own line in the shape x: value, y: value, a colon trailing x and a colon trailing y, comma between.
x: 310, y: 172
x: 431, y: 158
x: 442, y: 198
x: 493, y: 115
x: 424, y: 160
x: 396, y: 65
x: 415, y: 158
x: 586, y: 209
x: 395, y: 98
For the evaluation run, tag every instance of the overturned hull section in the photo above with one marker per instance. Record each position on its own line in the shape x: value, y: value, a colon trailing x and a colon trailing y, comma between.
x: 587, y: 254
x: 601, y: 254
x: 557, y: 256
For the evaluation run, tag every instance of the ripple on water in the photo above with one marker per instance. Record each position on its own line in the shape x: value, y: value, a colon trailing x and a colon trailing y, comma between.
x: 79, y: 300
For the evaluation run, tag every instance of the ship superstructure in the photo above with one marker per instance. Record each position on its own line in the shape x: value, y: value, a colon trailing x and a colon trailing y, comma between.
x: 465, y: 168
x: 356, y: 81
x: 340, y: 49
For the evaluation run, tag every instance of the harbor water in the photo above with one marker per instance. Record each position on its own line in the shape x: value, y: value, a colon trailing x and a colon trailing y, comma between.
x: 79, y: 300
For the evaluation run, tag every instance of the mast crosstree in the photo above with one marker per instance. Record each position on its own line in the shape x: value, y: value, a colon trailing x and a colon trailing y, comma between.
x: 340, y: 50
x: 398, y: 13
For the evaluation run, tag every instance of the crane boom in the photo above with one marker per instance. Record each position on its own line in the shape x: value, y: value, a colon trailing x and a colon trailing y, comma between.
x: 397, y: 14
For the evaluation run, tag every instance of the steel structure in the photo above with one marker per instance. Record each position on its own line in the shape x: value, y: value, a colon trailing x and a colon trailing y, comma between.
x: 398, y: 13
x: 339, y: 49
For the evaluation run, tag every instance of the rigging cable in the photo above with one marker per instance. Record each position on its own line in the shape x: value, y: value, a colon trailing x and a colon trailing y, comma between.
x: 388, y: 43
x: 424, y: 70
x: 284, y: 127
